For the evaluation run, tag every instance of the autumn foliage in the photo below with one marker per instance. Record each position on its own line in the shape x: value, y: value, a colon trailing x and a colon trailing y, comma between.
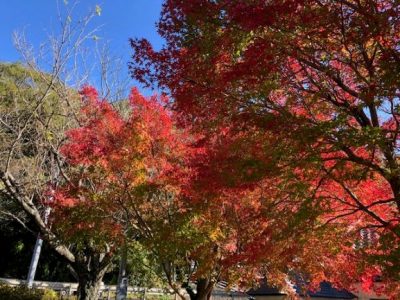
x: 276, y: 155
x: 141, y: 177
x: 298, y: 104
x: 116, y: 162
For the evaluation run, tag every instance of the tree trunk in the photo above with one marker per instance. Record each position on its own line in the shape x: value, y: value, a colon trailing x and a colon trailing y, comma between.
x: 122, y: 285
x: 90, y: 269
x: 34, y: 261
x: 204, y: 288
x: 89, y: 285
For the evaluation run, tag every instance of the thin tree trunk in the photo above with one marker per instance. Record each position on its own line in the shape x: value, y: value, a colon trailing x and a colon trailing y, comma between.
x: 34, y: 261
x: 122, y: 286
x: 36, y: 253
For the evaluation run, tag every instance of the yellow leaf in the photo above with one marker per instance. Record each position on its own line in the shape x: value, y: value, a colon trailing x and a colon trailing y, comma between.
x: 98, y: 10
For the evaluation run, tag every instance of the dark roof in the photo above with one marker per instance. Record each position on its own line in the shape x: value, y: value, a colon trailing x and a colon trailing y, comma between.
x: 264, y: 290
x: 326, y: 290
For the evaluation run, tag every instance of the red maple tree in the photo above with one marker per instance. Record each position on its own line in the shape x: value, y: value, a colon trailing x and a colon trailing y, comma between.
x: 310, y: 91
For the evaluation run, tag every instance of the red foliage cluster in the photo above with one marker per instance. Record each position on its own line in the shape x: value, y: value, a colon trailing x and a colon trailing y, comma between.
x: 114, y: 161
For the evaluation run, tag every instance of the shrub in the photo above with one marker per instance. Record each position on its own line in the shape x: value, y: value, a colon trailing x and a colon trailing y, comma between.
x: 49, y: 295
x: 22, y: 292
x: 19, y: 293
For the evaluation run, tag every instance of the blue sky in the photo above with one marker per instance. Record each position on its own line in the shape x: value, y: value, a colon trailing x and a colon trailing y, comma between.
x: 119, y: 20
